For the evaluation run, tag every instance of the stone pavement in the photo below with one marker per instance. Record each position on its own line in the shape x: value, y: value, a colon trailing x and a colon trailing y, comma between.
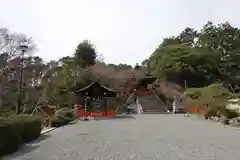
x: 145, y: 137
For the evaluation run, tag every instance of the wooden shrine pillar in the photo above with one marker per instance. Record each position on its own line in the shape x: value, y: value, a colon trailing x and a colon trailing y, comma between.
x: 86, y: 98
x: 85, y: 107
x: 105, y: 105
x: 89, y: 107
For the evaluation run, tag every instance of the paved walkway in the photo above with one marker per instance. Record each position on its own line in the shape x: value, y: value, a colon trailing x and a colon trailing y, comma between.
x: 147, y: 137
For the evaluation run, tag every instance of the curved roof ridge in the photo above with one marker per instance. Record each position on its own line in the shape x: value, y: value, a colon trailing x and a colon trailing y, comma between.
x: 95, y: 82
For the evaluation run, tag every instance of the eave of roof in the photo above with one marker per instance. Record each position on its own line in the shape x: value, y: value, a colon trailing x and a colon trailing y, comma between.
x: 88, y: 86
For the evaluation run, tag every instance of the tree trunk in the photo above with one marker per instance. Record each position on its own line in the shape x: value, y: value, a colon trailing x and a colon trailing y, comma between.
x: 1, y: 98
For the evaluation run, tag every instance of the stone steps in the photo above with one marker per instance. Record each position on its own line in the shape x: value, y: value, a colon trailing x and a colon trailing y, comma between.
x: 151, y: 104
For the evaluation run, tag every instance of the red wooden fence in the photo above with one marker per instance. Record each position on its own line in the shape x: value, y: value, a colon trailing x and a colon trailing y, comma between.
x: 144, y: 92
x: 82, y: 113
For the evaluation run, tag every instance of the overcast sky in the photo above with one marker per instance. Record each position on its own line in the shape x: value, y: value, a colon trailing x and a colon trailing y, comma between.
x: 124, y: 31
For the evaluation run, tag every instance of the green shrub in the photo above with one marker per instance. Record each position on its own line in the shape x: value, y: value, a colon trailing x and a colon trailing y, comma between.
x: 10, y: 137
x: 16, y: 130
x: 29, y: 126
x: 193, y: 93
x: 58, y: 122
x: 5, y: 111
x: 211, y: 112
x: 210, y: 99
x: 65, y: 113
x: 229, y: 113
x: 63, y: 116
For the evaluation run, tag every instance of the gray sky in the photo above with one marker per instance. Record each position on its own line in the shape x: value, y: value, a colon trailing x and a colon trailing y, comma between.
x: 124, y: 31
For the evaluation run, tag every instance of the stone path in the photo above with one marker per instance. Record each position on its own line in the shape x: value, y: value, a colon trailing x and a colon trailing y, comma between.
x: 146, y: 137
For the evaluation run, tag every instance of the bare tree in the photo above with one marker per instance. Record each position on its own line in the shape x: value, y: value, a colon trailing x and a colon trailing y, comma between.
x: 10, y: 51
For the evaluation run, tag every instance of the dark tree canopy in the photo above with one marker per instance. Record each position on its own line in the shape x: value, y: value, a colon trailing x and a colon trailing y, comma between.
x: 85, y: 54
x: 202, y: 57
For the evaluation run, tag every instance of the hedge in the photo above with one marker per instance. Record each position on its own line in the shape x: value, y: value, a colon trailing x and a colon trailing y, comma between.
x: 10, y: 138
x: 17, y: 130
x: 29, y: 126
x: 211, y: 99
x: 63, y: 116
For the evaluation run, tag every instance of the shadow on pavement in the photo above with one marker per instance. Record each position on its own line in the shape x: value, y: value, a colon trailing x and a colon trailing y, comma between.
x: 116, y: 117
x: 27, y: 148
x: 40, y: 139
x: 23, y: 150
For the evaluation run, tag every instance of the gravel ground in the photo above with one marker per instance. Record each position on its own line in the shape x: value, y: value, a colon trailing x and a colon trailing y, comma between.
x: 144, y: 137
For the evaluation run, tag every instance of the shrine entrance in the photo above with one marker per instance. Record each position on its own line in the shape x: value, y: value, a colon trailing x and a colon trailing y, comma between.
x: 96, y: 100
x: 145, y: 84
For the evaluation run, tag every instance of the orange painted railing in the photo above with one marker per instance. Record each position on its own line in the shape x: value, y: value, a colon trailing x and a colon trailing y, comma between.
x: 82, y: 113
x: 196, y: 109
x: 144, y: 91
